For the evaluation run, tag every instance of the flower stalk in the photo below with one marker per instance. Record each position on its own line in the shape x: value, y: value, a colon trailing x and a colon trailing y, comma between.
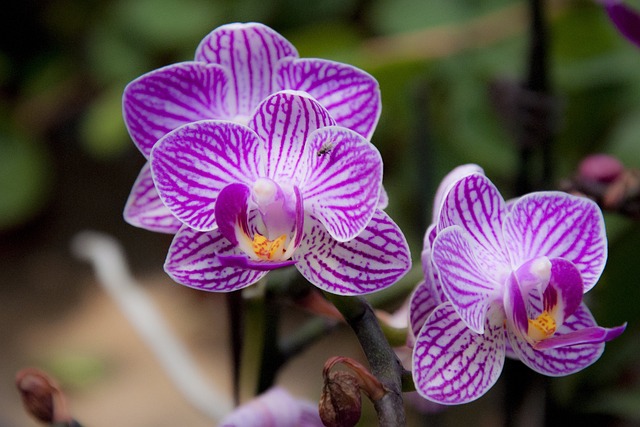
x: 383, y: 362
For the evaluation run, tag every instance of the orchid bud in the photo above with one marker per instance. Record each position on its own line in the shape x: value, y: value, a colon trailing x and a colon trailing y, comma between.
x: 601, y: 168
x: 340, y: 402
x: 41, y: 396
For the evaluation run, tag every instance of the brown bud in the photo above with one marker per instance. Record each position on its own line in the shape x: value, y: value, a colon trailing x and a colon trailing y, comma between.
x: 41, y: 396
x: 340, y: 402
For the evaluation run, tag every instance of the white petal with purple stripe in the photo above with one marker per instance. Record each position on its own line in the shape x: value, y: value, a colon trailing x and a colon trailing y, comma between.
x: 475, y: 204
x: 145, y: 209
x: 158, y: 102
x: 373, y: 260
x: 467, y: 284
x: 344, y: 179
x: 193, y: 260
x: 284, y: 121
x: 558, y: 225
x: 351, y: 95
x: 250, y: 53
x: 564, y: 360
x: 451, y: 363
x: 193, y: 163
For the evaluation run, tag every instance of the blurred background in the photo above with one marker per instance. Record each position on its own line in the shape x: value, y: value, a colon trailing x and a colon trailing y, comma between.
x: 67, y: 165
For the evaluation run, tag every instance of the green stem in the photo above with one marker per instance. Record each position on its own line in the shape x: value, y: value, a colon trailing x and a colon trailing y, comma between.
x: 253, y: 342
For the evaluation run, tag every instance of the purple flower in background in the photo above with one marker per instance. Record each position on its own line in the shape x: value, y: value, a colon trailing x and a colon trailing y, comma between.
x: 236, y: 67
x: 505, y: 279
x: 625, y: 19
x: 289, y: 188
x: 275, y: 407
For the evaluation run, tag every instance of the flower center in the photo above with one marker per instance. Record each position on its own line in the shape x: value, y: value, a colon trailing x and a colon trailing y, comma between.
x: 269, y: 249
x: 542, y: 327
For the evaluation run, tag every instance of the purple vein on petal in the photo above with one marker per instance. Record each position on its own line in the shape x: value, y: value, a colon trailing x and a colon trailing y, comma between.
x: 193, y: 260
x: 375, y: 259
x: 284, y: 121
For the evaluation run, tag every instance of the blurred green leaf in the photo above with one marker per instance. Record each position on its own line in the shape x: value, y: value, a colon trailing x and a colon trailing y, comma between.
x: 622, y: 403
x: 168, y: 25
x: 75, y: 370
x: 102, y: 130
x: 25, y: 179
x: 624, y: 141
x: 112, y: 57
x: 397, y: 16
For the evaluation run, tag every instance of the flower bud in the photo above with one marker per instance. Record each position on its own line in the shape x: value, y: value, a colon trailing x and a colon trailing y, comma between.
x: 340, y: 402
x: 41, y: 396
x: 600, y: 168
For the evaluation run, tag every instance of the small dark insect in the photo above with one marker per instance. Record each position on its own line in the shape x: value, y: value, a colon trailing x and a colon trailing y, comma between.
x: 325, y: 149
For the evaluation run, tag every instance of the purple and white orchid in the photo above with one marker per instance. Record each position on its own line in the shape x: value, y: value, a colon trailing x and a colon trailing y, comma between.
x: 291, y: 187
x: 236, y: 67
x: 505, y: 279
x: 275, y: 407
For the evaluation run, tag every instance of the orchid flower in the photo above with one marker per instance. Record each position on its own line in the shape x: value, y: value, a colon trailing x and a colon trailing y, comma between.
x: 291, y: 188
x: 236, y: 67
x: 624, y: 18
x: 275, y: 407
x: 506, y: 278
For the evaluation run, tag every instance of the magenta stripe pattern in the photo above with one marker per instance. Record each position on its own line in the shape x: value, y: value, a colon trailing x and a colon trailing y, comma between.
x: 145, y: 209
x: 451, y: 363
x: 166, y: 98
x: 351, y: 95
x: 373, y: 260
x: 250, y: 53
x: 193, y: 261
x: 558, y: 225
x: 192, y: 164
x: 343, y: 185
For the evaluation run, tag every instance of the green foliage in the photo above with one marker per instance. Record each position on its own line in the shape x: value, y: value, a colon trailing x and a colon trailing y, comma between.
x: 25, y: 179
x: 406, y: 15
x: 102, y: 131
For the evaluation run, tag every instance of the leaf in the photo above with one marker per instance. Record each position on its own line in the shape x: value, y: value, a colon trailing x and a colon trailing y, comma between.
x: 25, y: 176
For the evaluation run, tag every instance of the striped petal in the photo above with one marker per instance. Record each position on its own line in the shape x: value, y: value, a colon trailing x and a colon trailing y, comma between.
x: 284, y: 121
x: 351, y: 95
x: 145, y: 209
x: 250, y: 53
x: 158, y: 102
x: 466, y: 282
x: 193, y: 163
x: 447, y: 183
x: 373, y: 260
x: 475, y: 204
x: 558, y: 225
x: 562, y: 360
x: 344, y: 181
x: 423, y: 300
x: 194, y: 260
x: 451, y: 363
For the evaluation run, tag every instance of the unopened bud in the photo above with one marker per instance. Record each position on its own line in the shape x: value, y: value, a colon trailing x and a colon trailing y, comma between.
x: 340, y: 402
x: 41, y: 396
x: 601, y: 168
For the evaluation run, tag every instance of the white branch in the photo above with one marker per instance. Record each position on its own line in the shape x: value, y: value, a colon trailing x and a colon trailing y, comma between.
x: 107, y: 258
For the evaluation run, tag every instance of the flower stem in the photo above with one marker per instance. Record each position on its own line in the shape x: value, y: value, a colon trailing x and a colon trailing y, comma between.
x: 252, y: 342
x: 382, y: 360
x: 536, y: 116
